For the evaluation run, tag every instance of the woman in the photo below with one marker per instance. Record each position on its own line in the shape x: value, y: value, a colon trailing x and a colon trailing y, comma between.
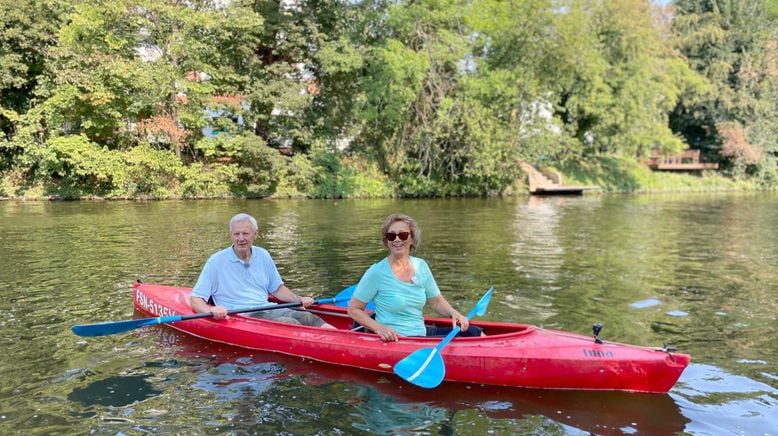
x: 400, y: 285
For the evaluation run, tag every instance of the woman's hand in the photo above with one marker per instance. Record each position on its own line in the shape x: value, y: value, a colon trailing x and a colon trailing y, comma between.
x: 458, y: 318
x: 440, y: 305
x: 387, y: 334
x: 356, y: 310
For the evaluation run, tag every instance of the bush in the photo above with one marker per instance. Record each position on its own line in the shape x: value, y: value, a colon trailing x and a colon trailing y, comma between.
x: 259, y: 167
x: 299, y: 178
x: 147, y: 173
x: 198, y: 181
x: 73, y: 166
x: 345, y: 177
x: 613, y: 174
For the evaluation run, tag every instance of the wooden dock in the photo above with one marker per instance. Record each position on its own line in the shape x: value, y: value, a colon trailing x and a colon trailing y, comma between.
x: 562, y: 190
x: 546, y: 182
x: 689, y: 160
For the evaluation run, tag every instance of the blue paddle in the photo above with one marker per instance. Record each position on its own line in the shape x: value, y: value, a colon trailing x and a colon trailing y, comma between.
x: 109, y: 328
x: 425, y: 367
x: 344, y: 296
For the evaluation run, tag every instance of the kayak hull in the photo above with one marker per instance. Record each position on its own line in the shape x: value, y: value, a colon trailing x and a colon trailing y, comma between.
x: 516, y: 355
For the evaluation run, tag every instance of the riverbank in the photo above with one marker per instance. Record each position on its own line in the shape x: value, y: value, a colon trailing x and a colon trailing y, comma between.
x: 625, y: 176
x: 611, y: 175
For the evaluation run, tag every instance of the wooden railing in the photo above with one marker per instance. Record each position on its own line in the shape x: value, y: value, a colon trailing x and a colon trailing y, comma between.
x: 688, y: 160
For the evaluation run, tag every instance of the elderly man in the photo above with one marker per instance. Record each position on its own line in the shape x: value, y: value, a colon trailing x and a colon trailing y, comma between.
x: 242, y: 276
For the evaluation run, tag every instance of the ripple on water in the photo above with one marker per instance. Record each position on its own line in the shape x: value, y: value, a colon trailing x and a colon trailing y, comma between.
x: 770, y: 376
x: 643, y: 304
x: 700, y: 380
x: 562, y: 263
x: 497, y: 405
x: 752, y: 361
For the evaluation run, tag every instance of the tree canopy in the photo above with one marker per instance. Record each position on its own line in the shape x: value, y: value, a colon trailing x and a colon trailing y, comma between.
x: 142, y: 98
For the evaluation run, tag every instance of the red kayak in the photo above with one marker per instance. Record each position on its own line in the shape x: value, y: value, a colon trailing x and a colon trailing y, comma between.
x: 516, y: 355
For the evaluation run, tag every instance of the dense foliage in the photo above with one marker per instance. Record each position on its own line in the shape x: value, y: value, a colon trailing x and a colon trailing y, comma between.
x: 338, y: 98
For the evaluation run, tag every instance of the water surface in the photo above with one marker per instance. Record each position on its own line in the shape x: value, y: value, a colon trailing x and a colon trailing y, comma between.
x: 695, y: 271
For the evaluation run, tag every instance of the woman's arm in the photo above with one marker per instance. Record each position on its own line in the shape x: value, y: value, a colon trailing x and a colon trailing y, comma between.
x: 439, y: 304
x: 356, y: 310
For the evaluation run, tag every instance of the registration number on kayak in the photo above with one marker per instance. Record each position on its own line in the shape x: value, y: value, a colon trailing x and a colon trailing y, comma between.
x: 597, y: 353
x: 151, y: 306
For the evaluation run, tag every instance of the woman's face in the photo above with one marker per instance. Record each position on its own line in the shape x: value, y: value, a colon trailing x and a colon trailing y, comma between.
x: 394, y: 238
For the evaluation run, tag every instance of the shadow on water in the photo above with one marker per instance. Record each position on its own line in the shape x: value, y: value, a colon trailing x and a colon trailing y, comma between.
x: 385, y: 404
x: 114, y: 391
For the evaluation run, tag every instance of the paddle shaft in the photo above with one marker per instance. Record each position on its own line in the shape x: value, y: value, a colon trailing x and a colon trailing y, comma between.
x: 109, y: 328
x: 455, y: 331
x: 478, y: 309
x: 251, y: 309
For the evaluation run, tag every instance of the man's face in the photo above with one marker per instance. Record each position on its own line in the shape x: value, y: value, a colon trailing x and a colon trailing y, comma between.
x: 242, y: 235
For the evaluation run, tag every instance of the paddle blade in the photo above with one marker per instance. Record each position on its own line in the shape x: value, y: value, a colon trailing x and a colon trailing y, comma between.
x: 483, y: 303
x: 423, y: 368
x: 345, y: 295
x: 109, y: 328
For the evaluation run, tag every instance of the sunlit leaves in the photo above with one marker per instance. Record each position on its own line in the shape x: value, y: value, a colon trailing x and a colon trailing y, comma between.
x: 441, y: 96
x: 732, y: 44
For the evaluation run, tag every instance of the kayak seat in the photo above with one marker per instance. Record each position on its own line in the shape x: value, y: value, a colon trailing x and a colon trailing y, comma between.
x: 471, y: 332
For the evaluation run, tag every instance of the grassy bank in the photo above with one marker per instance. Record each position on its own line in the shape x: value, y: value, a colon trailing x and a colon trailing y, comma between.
x: 332, y: 177
x: 617, y: 175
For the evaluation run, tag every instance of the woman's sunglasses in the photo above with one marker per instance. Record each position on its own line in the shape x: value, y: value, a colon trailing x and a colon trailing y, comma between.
x: 402, y: 235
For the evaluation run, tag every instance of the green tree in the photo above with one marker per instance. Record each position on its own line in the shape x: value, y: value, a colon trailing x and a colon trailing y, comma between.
x: 28, y: 30
x: 733, y: 44
x: 617, y: 78
x: 301, y: 78
x: 417, y: 114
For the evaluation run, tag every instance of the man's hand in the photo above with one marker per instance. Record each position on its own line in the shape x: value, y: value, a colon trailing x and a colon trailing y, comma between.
x: 219, y: 312
x: 306, y: 301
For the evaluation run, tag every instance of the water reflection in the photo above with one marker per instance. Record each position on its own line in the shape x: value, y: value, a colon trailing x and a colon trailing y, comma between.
x: 536, y: 251
x: 536, y: 254
x: 239, y: 378
x: 384, y: 414
x: 384, y: 404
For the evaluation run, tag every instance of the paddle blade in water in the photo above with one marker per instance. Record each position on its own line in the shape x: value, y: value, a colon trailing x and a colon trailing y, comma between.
x: 423, y: 368
x: 109, y: 328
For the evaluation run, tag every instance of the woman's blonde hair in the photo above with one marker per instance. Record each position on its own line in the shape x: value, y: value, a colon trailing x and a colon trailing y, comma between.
x: 395, y: 217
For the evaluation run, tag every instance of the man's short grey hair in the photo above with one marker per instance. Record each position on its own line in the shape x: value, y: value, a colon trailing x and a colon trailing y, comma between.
x: 244, y: 217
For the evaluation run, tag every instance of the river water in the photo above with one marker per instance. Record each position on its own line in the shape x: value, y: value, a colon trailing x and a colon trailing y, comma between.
x: 695, y: 271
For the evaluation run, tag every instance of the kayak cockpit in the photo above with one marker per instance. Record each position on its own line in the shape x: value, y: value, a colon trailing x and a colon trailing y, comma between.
x: 338, y: 317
